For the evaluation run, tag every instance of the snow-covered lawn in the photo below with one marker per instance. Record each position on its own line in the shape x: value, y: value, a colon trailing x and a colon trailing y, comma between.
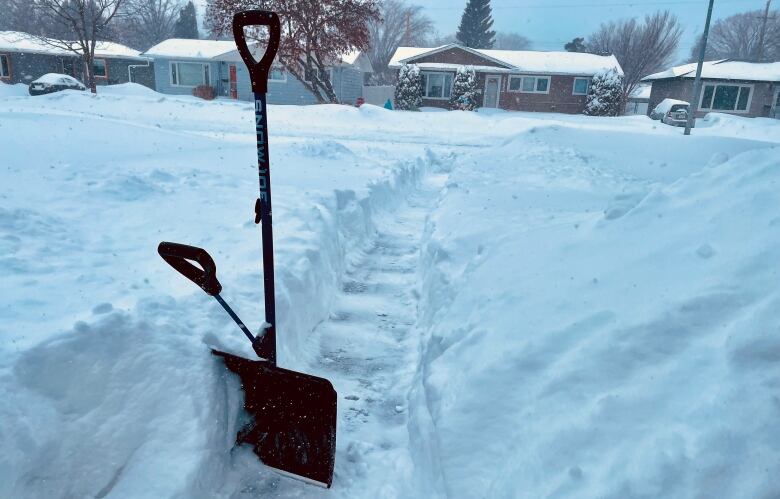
x: 508, y: 304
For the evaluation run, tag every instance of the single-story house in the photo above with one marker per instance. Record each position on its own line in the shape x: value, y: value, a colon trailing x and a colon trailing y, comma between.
x: 639, y: 99
x: 24, y: 58
x: 181, y: 65
x: 519, y: 80
x: 735, y: 87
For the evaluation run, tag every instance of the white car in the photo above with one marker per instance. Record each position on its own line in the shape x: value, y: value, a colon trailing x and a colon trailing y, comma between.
x: 54, y: 82
x: 672, y: 112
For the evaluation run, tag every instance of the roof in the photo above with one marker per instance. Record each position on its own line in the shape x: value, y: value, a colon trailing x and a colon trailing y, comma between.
x: 515, y: 61
x: 17, y: 41
x: 181, y: 48
x: 641, y: 92
x: 723, y: 70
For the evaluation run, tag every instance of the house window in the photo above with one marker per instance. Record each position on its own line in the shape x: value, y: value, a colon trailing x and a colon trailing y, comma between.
x: 99, y: 68
x: 530, y: 84
x: 437, y: 85
x: 190, y: 74
x: 717, y: 97
x: 277, y: 73
x: 5, y: 66
x: 580, y: 86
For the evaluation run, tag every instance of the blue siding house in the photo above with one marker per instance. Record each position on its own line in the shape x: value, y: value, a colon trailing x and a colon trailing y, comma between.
x: 181, y: 65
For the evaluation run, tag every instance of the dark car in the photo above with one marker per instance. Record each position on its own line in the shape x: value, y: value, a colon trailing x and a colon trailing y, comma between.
x: 54, y: 82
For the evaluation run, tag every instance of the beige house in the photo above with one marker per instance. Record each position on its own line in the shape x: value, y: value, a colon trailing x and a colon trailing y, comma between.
x: 519, y: 80
x: 734, y: 87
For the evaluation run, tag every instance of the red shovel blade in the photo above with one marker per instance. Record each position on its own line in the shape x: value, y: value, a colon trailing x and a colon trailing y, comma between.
x: 294, y: 419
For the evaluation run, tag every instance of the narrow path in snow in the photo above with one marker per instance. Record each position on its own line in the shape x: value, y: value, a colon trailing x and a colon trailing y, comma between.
x: 369, y: 352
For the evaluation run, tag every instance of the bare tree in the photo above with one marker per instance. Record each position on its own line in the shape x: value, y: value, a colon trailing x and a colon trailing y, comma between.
x: 511, y: 41
x: 83, y: 22
x: 737, y: 37
x: 401, y: 24
x: 437, y: 40
x: 148, y: 22
x: 640, y: 48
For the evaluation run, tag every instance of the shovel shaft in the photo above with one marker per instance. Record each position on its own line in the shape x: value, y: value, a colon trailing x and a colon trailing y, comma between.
x: 265, y: 345
x: 235, y: 318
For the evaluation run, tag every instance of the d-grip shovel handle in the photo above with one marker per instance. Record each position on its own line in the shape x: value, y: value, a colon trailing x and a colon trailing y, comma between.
x: 258, y: 71
x: 177, y: 255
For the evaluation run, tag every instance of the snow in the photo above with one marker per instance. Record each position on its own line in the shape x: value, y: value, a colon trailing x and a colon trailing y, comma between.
x: 642, y: 91
x: 516, y: 61
x: 16, y: 41
x: 15, y: 90
x: 57, y: 79
x: 724, y: 70
x: 508, y: 304
x: 191, y: 49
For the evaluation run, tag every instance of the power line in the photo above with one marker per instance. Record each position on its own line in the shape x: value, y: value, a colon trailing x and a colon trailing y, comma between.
x: 600, y: 4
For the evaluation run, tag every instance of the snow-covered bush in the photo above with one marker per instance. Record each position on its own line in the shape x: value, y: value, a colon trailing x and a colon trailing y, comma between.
x: 408, y: 89
x: 465, y: 94
x: 605, y: 94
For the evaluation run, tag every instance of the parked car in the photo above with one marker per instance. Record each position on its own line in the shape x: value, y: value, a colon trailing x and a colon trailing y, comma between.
x: 672, y: 112
x: 54, y: 82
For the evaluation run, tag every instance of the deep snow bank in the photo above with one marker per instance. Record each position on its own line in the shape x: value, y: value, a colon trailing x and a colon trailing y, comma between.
x: 601, y: 321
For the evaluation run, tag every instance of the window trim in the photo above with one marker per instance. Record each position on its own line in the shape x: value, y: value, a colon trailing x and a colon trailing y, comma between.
x: 534, y: 91
x: 574, y: 85
x: 105, y: 62
x: 170, y: 73
x: 735, y: 110
x: 284, y: 74
x: 8, y: 65
x: 443, y: 73
x: 328, y: 70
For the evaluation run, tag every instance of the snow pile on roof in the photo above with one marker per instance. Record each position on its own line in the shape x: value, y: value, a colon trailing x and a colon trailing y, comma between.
x: 516, y: 61
x: 642, y: 91
x: 191, y: 49
x: 17, y: 41
x: 723, y: 69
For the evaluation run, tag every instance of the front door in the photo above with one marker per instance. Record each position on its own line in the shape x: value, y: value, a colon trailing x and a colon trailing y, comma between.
x: 233, y: 82
x: 492, y: 86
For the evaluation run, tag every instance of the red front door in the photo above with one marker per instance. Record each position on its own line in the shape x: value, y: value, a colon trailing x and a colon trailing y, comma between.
x: 233, y: 82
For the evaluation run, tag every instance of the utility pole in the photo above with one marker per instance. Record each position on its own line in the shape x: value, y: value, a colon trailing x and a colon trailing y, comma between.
x: 762, y: 32
x: 697, y: 83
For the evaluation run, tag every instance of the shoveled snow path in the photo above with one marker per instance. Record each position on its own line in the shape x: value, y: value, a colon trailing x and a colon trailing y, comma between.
x: 369, y: 352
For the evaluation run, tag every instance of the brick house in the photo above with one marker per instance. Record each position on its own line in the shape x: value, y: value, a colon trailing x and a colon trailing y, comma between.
x: 735, y: 87
x: 509, y: 79
x: 24, y: 59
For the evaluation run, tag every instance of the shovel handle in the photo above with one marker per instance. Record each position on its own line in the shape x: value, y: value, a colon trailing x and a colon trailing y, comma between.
x: 177, y: 256
x: 258, y: 70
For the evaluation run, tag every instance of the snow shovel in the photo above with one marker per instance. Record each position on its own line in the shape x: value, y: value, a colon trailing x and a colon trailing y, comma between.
x: 294, y: 414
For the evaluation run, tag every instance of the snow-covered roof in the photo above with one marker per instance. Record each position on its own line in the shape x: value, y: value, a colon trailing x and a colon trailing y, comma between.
x: 515, y: 61
x: 180, y: 48
x: 723, y: 70
x: 642, y: 91
x: 17, y: 41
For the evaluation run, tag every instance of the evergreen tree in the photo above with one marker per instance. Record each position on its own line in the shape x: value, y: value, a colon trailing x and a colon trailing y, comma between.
x: 576, y: 45
x: 409, y: 88
x: 605, y: 94
x: 474, y: 30
x: 187, y: 24
x: 465, y: 94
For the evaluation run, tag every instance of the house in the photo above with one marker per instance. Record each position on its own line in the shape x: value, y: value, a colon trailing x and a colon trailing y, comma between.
x: 734, y: 87
x: 509, y: 79
x: 639, y: 99
x: 181, y: 65
x: 24, y: 59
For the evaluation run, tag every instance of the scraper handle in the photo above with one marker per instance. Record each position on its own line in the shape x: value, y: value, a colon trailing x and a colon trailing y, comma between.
x: 179, y: 256
x: 258, y: 70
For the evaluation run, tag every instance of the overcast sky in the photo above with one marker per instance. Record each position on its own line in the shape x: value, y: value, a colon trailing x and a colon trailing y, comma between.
x: 549, y: 24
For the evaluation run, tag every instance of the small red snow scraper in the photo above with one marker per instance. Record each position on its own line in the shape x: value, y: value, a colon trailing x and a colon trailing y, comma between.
x: 293, y: 426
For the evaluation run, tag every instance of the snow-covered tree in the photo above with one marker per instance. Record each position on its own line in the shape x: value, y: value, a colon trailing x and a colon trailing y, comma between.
x: 605, y: 94
x: 465, y: 94
x: 409, y: 88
